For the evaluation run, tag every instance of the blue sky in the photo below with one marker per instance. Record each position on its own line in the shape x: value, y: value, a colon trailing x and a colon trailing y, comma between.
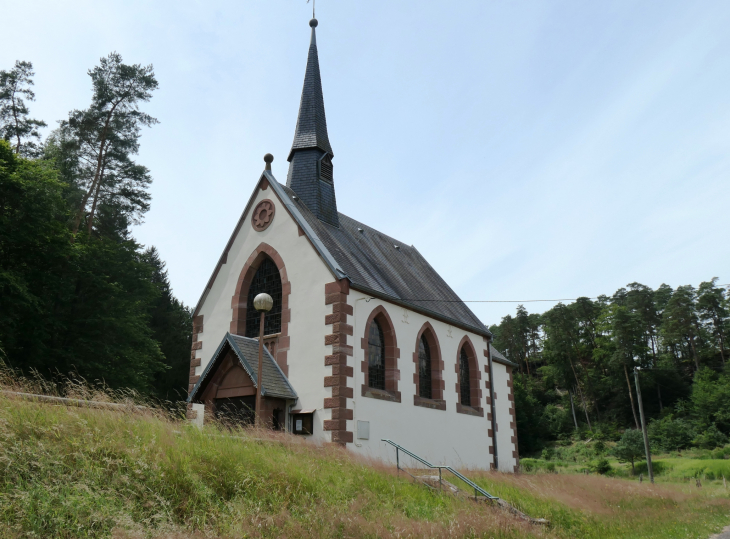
x: 527, y: 149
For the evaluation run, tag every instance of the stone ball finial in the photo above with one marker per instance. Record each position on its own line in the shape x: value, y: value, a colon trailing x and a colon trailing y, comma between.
x: 313, y: 23
x: 263, y: 302
x: 268, y: 158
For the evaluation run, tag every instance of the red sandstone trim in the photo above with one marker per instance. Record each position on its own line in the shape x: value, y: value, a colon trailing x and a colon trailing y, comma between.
x: 335, y: 294
x: 438, y: 384
x: 195, y: 361
x: 392, y: 354
x: 263, y: 214
x: 468, y: 410
x: 240, y: 297
x: 489, y: 370
x: 429, y: 403
x: 474, y: 377
x: 513, y: 423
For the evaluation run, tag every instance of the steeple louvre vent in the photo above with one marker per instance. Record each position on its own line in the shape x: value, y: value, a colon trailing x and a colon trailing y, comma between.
x: 311, y: 174
x: 325, y: 168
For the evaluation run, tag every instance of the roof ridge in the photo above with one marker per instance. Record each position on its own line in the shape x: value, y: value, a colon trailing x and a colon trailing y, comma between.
x: 335, y: 242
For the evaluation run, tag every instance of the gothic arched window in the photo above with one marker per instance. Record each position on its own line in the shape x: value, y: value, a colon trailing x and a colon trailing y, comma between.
x: 376, y: 356
x: 424, y: 369
x: 267, y: 279
x: 464, y: 381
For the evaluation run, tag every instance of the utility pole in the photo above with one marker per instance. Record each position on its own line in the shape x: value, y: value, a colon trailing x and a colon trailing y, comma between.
x: 262, y: 303
x: 643, y: 426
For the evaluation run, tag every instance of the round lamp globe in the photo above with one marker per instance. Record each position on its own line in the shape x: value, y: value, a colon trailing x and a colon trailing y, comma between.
x: 263, y: 302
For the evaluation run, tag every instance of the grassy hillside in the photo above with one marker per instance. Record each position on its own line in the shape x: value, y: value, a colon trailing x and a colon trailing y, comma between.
x: 578, y: 457
x: 78, y: 472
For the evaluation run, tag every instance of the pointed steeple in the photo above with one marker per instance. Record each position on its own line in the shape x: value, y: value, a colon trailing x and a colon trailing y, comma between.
x: 310, y: 170
x: 311, y: 129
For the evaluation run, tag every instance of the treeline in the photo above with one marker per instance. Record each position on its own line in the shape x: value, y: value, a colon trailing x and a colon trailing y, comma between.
x: 576, y: 366
x: 78, y: 294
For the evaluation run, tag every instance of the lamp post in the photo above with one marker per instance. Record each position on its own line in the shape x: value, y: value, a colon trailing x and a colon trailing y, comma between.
x: 263, y: 304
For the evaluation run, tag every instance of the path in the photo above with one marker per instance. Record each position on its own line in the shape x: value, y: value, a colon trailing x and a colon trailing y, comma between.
x: 724, y: 534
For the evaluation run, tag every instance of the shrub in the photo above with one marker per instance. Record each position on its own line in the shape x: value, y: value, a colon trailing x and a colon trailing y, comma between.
x: 710, y: 438
x: 671, y: 434
x: 657, y: 466
x: 548, y: 453
x: 534, y: 465
x: 599, y: 447
x: 600, y: 466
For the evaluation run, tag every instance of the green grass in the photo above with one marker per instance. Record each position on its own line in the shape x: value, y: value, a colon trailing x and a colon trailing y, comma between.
x: 686, y: 468
x: 71, y: 472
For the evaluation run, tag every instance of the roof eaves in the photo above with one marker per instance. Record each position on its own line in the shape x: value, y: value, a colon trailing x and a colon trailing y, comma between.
x: 308, y: 230
x: 296, y: 215
x: 488, y: 333
x: 284, y: 377
x: 499, y: 358
x: 224, y: 255
x: 505, y: 362
x: 208, y: 367
x: 428, y: 312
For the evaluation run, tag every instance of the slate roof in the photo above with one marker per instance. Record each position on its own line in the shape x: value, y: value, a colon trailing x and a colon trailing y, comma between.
x: 311, y: 130
x: 499, y: 358
x: 373, y: 262
x: 247, y: 352
x: 379, y: 264
x: 311, y: 171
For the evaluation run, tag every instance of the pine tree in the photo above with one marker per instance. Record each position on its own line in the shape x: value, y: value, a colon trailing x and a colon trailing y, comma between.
x: 680, y: 325
x: 172, y: 327
x: 15, y: 125
x: 102, y: 139
x: 713, y: 309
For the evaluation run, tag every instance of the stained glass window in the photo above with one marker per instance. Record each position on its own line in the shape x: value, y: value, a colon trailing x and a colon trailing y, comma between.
x: 376, y: 356
x: 464, y: 381
x: 424, y: 369
x: 267, y: 279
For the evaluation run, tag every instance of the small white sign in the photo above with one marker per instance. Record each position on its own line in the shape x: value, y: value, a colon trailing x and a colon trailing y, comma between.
x: 363, y: 430
x: 299, y: 425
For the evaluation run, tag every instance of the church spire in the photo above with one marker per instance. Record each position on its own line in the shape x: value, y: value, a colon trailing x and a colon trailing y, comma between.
x: 310, y: 169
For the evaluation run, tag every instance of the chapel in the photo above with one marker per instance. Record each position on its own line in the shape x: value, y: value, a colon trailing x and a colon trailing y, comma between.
x: 365, y: 340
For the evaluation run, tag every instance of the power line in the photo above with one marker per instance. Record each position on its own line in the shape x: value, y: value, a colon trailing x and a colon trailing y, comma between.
x: 492, y: 300
x: 503, y: 300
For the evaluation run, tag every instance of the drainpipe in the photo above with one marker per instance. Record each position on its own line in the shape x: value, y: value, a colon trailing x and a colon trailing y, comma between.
x: 491, y: 398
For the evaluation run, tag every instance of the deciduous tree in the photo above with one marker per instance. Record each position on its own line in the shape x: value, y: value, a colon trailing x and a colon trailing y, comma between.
x: 630, y: 448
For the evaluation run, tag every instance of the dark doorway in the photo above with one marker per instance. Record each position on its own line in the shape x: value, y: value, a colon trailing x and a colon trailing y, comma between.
x: 239, y: 410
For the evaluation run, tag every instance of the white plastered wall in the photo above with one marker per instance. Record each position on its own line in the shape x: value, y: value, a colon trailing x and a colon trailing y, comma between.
x: 439, y: 436
x: 505, y: 447
x: 308, y: 275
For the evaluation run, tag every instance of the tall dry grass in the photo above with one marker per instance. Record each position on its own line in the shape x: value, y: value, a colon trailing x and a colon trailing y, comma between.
x: 141, y: 471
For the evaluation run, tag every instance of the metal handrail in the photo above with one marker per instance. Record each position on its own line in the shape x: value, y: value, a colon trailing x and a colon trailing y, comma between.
x: 469, y: 482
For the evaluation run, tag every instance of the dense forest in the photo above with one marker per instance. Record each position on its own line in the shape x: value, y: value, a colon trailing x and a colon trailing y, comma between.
x: 78, y: 295
x: 577, y: 361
